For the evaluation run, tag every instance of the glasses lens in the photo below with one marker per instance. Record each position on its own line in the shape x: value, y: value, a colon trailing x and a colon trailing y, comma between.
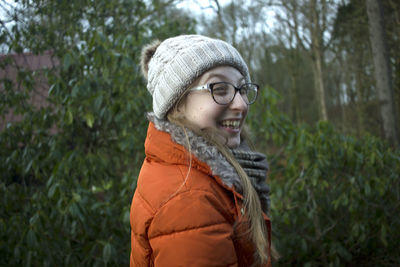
x: 222, y: 92
x: 249, y: 92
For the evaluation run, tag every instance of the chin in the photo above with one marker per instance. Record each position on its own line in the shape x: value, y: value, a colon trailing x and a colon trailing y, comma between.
x: 233, y: 143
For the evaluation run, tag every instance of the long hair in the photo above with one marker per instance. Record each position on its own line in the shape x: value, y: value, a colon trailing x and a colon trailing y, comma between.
x: 257, y: 231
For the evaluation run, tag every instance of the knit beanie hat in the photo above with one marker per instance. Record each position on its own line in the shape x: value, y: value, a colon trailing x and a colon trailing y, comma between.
x: 171, y: 66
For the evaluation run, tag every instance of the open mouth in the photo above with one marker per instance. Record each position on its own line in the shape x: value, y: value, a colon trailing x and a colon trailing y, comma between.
x: 232, y: 124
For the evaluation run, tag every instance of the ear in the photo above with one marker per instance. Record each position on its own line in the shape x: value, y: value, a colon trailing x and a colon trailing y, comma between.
x: 181, y: 103
x: 180, y: 106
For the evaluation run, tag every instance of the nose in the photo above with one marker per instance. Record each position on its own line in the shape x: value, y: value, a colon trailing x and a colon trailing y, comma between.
x: 238, y: 103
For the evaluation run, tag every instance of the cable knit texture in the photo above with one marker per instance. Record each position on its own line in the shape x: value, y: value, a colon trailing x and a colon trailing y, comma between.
x: 177, y: 62
x: 256, y: 167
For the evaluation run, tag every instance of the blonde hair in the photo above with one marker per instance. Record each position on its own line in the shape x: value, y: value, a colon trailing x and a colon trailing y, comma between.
x: 257, y: 231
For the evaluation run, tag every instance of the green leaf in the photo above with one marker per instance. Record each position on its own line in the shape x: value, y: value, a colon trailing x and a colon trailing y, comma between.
x: 28, y: 167
x: 344, y: 252
x: 51, y: 89
x: 31, y: 238
x: 383, y: 236
x: 17, y: 252
x: 107, y: 252
x: 67, y: 60
x: 126, y: 217
x: 76, y: 197
x: 367, y: 188
x: 303, y: 244
x: 34, y: 218
x: 89, y: 119
x: 68, y: 118
x: 52, y: 190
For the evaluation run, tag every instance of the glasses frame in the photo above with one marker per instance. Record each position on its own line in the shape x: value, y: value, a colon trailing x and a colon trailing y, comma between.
x: 210, y: 86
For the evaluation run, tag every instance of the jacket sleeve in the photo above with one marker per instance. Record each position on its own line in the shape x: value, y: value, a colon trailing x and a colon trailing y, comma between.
x: 192, y: 229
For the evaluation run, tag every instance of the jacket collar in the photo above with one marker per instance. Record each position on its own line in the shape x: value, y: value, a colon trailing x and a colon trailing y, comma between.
x: 207, y: 157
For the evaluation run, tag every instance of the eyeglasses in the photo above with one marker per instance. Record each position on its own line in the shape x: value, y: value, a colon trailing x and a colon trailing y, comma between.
x: 223, y: 93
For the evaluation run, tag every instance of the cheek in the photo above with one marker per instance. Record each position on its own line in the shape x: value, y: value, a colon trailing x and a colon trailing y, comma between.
x: 203, y: 111
x: 198, y: 107
x: 205, y: 116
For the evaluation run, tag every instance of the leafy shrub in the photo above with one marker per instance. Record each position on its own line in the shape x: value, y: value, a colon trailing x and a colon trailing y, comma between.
x: 335, y: 199
x: 68, y: 169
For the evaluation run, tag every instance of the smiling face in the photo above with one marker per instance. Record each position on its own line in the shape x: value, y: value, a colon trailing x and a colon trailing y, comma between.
x: 200, y: 109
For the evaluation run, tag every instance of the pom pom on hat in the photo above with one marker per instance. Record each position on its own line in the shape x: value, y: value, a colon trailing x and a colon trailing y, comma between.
x: 171, y: 66
x: 147, y: 53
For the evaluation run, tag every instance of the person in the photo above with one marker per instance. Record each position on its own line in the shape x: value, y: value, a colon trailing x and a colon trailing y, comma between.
x: 201, y: 197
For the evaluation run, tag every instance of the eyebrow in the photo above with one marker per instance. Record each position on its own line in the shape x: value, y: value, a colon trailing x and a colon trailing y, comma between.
x: 221, y: 76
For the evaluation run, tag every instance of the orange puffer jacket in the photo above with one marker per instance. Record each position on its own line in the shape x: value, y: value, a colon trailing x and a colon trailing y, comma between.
x: 184, y: 222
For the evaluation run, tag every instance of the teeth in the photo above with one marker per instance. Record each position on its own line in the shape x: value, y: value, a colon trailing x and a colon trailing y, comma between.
x: 231, y: 124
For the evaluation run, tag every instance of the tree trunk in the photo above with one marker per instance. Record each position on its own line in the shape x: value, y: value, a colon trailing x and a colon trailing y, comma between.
x: 382, y: 70
x: 316, y: 52
x: 319, y: 84
x: 360, y: 102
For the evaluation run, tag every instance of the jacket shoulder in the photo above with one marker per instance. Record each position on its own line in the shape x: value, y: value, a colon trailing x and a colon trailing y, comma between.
x: 158, y: 182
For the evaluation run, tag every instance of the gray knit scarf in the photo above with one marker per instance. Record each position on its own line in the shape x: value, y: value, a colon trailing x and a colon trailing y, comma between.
x: 254, y: 163
x: 256, y: 167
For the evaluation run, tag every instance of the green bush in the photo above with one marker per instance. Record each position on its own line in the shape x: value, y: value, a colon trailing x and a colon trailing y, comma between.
x: 335, y: 199
x: 68, y: 170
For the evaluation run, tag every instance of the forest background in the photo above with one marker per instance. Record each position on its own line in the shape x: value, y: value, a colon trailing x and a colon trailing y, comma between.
x: 327, y: 117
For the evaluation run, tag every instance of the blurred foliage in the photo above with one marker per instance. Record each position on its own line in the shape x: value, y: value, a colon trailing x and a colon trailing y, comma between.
x: 335, y: 198
x: 265, y: 33
x: 68, y: 170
